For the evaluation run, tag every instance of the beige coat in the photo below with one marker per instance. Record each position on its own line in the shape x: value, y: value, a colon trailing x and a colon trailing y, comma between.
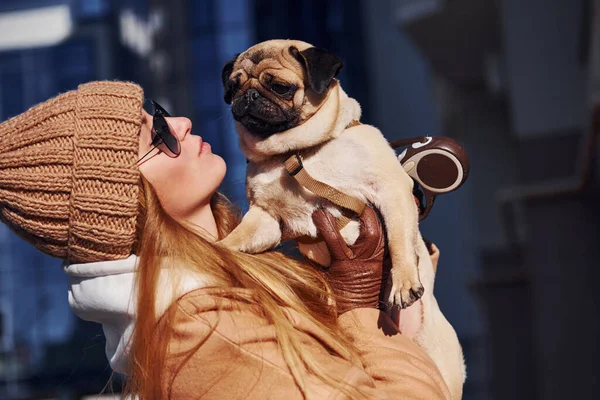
x: 221, y: 349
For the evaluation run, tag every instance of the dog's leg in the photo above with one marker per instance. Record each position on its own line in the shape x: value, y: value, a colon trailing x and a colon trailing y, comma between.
x: 395, y: 201
x: 258, y: 231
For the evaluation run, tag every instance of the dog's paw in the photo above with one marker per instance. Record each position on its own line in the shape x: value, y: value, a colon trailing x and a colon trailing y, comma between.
x: 351, y: 232
x: 252, y: 245
x: 406, y: 289
x: 230, y: 243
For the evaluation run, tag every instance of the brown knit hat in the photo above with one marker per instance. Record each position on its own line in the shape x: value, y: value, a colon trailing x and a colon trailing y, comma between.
x: 68, y: 174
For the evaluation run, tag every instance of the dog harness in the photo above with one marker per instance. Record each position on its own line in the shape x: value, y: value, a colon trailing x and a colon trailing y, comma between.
x: 349, y: 204
x: 295, y: 168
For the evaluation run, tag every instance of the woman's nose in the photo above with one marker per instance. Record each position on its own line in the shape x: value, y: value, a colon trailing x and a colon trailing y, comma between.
x: 181, y: 125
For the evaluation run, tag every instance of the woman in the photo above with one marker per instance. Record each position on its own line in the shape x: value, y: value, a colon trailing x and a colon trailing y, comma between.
x: 129, y: 200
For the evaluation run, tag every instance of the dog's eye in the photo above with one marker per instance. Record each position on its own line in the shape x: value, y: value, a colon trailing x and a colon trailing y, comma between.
x: 233, y: 86
x: 281, y: 89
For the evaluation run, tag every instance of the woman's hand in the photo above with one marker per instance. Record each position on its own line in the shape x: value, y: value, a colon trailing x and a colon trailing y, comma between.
x: 357, y: 273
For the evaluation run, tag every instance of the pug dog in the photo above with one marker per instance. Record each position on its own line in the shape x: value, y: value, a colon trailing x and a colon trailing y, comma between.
x: 286, y: 100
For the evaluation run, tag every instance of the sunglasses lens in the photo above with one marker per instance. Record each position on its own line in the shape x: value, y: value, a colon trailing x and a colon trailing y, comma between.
x: 169, y: 143
x: 158, y: 108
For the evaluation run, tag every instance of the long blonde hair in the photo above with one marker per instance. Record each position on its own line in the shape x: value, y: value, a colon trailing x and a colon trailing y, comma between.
x: 275, y: 280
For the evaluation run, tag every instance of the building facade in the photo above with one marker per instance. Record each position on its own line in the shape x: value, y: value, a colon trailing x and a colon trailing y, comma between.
x: 175, y: 49
x: 75, y: 42
x: 516, y: 83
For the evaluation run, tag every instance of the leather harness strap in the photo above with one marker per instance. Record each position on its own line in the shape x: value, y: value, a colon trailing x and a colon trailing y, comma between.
x: 295, y: 168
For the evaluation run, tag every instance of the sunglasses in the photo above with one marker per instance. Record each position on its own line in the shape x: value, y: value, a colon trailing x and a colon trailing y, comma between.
x: 163, y: 137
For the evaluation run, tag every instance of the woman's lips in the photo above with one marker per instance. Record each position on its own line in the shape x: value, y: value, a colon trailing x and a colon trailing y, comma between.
x: 204, y: 147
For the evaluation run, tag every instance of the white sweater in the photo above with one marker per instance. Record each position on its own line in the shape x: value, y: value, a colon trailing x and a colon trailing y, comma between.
x: 103, y: 292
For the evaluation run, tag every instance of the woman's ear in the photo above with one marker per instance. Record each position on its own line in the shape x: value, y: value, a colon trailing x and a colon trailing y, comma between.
x: 320, y: 65
x: 228, y: 85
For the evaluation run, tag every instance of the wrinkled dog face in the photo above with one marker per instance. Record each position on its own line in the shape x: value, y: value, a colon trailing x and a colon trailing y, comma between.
x: 277, y: 85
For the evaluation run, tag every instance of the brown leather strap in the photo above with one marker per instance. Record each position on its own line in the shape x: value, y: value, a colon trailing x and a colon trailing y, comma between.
x: 311, y: 240
x: 294, y: 167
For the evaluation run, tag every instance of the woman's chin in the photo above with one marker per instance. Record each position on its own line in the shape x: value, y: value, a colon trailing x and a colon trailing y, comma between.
x: 220, y: 171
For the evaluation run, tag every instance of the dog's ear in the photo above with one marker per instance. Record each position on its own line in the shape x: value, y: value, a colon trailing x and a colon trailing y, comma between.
x: 227, y: 84
x: 321, y: 66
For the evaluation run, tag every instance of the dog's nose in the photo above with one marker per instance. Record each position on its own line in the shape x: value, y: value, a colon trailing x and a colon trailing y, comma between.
x: 252, y: 94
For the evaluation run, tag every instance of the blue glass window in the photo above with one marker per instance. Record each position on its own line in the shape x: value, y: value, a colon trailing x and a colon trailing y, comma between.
x: 207, y: 126
x: 11, y: 94
x: 233, y: 42
x: 335, y: 18
x: 92, y: 8
x: 202, y: 15
x: 233, y: 13
x: 204, y: 50
x: 208, y: 91
x: 74, y: 64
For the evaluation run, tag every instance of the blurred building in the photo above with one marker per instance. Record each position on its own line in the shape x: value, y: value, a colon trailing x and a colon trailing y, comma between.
x: 49, y: 47
x: 514, y: 82
x: 198, y: 37
x: 517, y: 83
x: 335, y: 25
x: 175, y: 50
x: 193, y: 43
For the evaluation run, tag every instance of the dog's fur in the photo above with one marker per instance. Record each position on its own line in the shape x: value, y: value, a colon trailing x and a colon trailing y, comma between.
x: 435, y: 335
x: 312, y: 117
x: 357, y: 160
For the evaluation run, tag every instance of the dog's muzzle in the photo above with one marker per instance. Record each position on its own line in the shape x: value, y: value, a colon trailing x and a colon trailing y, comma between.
x: 259, y: 115
x: 245, y: 104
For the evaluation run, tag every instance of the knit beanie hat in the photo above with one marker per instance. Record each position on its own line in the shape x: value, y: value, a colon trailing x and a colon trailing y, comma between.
x: 68, y: 174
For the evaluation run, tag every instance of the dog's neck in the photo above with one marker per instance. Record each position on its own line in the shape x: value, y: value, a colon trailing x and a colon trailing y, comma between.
x: 337, y: 112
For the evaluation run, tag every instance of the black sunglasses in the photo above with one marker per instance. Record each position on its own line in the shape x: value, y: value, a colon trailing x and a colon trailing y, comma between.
x: 163, y: 137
